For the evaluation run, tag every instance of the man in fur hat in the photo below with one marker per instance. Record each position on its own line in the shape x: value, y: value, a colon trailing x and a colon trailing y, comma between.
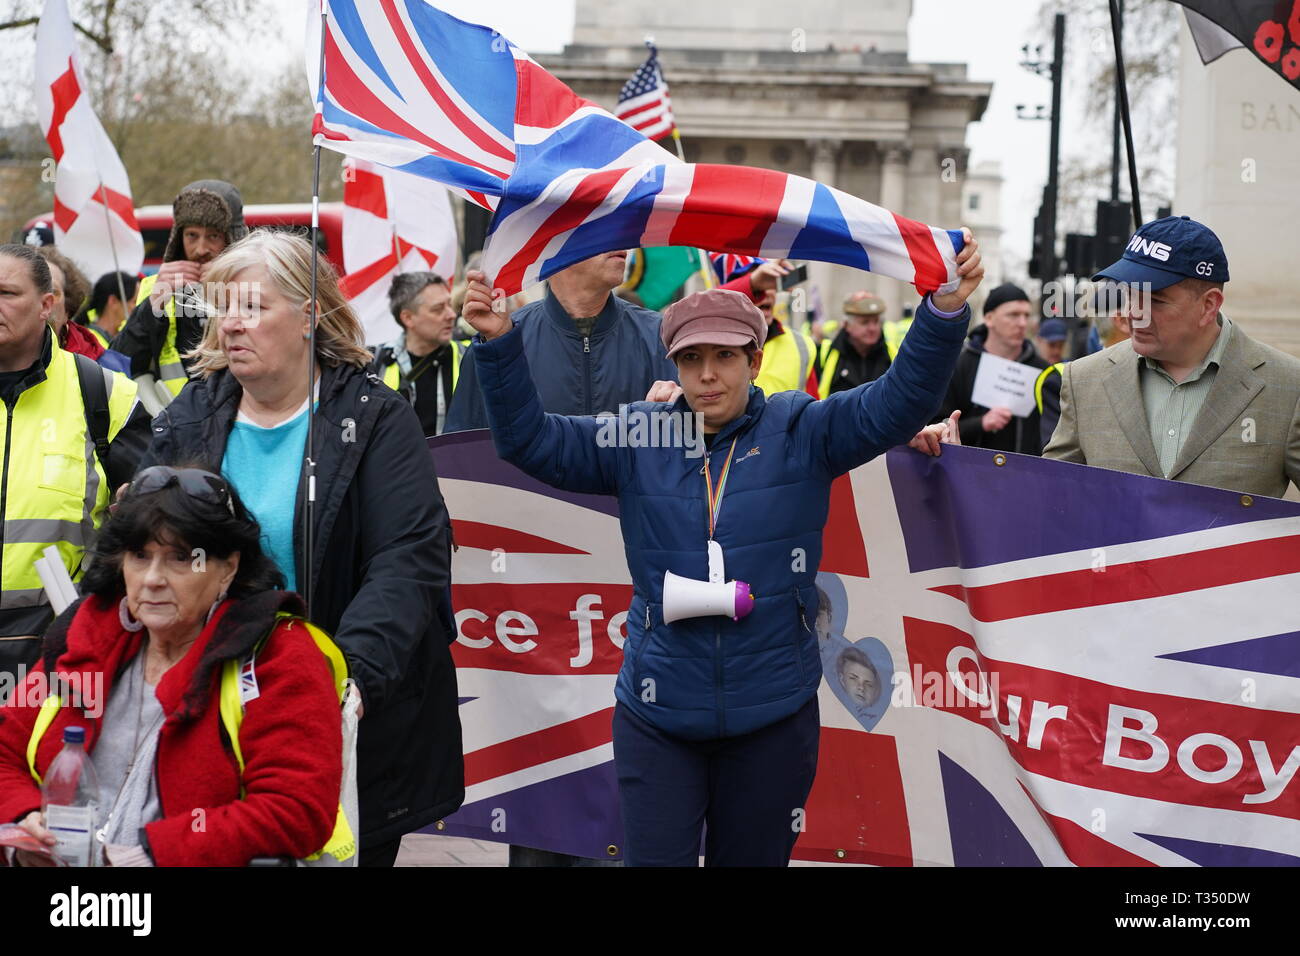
x: 169, y: 316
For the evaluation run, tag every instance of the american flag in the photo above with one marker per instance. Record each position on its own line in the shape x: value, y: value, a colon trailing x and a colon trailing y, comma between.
x: 413, y: 88
x: 644, y: 103
x: 1138, y: 647
x: 728, y: 267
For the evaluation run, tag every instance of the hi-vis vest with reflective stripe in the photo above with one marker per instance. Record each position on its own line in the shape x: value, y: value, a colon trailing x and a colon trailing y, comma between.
x: 894, y: 333
x: 828, y: 360
x: 56, y: 491
x: 171, y: 371
x: 1042, y: 377
x: 787, y: 359
x: 393, y: 372
x: 342, y: 844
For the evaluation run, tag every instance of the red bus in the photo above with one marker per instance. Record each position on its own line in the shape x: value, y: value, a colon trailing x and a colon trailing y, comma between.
x: 156, y: 225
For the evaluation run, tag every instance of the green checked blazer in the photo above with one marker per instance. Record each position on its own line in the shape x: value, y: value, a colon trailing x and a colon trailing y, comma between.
x: 1256, y: 394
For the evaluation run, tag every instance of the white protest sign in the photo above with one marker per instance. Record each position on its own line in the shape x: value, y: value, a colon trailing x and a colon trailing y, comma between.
x: 1000, y: 383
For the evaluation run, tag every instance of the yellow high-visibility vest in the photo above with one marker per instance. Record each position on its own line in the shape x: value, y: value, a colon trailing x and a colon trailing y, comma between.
x: 787, y: 359
x: 1042, y: 377
x: 894, y: 333
x: 171, y: 370
x: 829, y: 360
x: 57, y: 493
x: 393, y: 372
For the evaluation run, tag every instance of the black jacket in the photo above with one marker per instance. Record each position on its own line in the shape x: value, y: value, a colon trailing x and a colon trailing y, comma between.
x: 142, y: 336
x: 1020, y: 435
x: 852, y: 369
x: 381, y: 561
x: 576, y: 375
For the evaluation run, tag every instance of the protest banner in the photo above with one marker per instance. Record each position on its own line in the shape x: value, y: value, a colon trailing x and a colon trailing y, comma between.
x: 1063, y: 665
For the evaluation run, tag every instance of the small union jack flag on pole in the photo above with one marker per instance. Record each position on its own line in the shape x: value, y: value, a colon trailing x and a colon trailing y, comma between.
x: 644, y: 103
x: 727, y: 266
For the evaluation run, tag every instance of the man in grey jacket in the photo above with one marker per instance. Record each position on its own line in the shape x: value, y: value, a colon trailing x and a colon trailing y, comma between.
x: 1190, y: 396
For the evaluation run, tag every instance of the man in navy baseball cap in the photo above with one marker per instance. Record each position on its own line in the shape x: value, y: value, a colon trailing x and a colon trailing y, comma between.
x: 1167, y: 251
x: 1193, y: 397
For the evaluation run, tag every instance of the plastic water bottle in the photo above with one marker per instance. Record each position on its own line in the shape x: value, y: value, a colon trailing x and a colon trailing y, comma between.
x: 70, y: 800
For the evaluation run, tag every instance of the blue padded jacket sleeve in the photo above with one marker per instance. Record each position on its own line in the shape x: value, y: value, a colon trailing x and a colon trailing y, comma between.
x: 852, y: 427
x: 560, y: 450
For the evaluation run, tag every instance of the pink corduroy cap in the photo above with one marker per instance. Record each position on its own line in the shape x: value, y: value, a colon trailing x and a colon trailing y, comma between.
x: 712, y: 317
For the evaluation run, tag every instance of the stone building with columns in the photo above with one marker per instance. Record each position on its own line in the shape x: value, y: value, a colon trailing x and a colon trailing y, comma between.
x: 821, y: 89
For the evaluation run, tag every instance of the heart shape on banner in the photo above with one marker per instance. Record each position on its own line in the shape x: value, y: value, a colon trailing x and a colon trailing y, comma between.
x: 860, y: 675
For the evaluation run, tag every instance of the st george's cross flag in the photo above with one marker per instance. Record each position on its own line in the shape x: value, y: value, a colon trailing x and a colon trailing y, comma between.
x: 392, y: 222
x: 413, y: 88
x: 1063, y: 665
x: 94, y: 216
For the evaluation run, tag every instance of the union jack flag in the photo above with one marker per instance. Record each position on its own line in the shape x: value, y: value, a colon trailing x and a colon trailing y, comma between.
x: 1108, y: 682
x: 728, y: 267
x: 644, y: 103
x: 411, y: 87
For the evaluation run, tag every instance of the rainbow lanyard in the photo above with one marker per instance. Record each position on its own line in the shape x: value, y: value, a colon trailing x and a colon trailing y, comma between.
x: 715, y: 499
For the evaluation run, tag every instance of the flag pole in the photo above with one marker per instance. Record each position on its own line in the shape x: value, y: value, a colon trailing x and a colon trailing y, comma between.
x: 112, y: 247
x: 706, y: 271
x: 1121, y: 91
x: 309, y: 457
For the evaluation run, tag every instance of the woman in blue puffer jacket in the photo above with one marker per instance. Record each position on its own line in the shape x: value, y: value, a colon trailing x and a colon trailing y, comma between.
x: 716, y: 719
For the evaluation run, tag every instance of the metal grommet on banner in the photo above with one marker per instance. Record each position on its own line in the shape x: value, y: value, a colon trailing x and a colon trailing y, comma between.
x: 440, y: 825
x: 1247, y: 501
x: 611, y: 850
x: 840, y: 854
x: 999, y: 460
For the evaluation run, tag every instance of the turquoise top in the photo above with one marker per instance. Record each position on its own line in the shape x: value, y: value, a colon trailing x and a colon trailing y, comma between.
x: 265, y: 465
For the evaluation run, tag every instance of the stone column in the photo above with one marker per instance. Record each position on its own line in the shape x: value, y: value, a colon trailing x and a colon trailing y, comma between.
x: 824, y: 152
x: 893, y: 196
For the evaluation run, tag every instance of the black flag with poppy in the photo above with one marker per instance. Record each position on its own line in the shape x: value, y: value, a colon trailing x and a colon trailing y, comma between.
x: 1268, y: 28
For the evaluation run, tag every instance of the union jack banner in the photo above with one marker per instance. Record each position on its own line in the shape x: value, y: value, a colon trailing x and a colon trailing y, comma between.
x: 644, y: 103
x: 94, y: 216
x: 415, y: 89
x: 1025, y: 663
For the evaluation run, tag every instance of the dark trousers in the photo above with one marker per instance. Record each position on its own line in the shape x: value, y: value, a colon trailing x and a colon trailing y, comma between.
x: 381, y: 854
x: 746, y: 793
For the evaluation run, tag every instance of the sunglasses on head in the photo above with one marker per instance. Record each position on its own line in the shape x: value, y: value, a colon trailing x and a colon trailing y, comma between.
x: 195, y: 482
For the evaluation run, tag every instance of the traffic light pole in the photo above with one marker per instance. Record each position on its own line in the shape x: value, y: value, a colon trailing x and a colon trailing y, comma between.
x: 1115, y: 123
x: 1049, y: 264
x: 1121, y: 94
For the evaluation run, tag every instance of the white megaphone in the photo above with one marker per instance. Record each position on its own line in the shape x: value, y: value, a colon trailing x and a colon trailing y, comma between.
x: 687, y: 597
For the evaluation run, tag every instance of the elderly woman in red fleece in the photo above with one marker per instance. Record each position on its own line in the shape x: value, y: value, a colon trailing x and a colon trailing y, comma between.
x: 179, y: 588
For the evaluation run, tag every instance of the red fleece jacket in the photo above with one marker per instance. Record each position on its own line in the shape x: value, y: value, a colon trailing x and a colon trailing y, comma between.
x: 290, y: 738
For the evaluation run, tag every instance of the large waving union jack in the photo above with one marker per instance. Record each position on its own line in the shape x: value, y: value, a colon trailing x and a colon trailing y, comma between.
x: 411, y: 87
